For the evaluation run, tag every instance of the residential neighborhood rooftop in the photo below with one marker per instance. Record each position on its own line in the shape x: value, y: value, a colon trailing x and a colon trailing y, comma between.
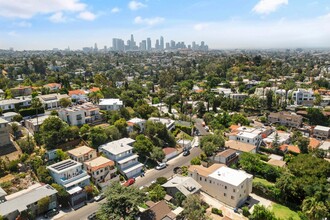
x: 230, y: 176
x: 118, y: 146
x: 79, y: 151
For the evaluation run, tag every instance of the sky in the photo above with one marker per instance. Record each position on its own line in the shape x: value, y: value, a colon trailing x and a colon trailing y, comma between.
x: 222, y: 24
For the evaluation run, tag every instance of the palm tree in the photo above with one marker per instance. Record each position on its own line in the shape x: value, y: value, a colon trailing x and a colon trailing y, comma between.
x: 36, y: 104
x: 95, y: 97
x: 314, y: 209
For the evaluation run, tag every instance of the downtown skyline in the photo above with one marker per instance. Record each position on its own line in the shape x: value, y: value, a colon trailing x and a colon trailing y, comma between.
x: 32, y: 24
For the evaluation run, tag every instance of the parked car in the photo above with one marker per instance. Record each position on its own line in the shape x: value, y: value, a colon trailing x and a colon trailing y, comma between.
x: 161, y: 166
x: 92, y: 216
x: 186, y: 153
x: 129, y: 182
x: 51, y: 213
x: 99, y: 197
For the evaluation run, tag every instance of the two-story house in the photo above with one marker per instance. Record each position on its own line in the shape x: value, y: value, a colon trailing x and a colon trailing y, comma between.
x: 72, y: 116
x: 52, y: 101
x: 34, y: 124
x: 111, y: 104
x: 321, y: 132
x: 285, y: 118
x: 78, y: 95
x: 169, y: 123
x: 302, y: 96
x: 27, y: 200
x: 82, y: 154
x: 138, y: 122
x: 53, y: 86
x: 71, y: 175
x: 13, y: 104
x: 229, y: 186
x: 121, y: 151
x: 102, y: 170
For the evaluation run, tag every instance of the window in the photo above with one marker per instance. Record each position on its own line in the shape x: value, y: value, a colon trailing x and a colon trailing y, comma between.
x: 232, y: 197
x: 241, y: 186
x: 200, y: 178
x: 210, y: 181
x: 224, y: 194
x: 225, y: 187
x: 234, y: 190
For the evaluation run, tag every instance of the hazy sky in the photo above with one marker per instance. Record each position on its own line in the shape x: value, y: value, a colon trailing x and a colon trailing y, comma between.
x: 46, y: 24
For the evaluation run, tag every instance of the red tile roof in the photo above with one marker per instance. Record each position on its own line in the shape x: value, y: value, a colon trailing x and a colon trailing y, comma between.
x: 94, y: 89
x: 76, y: 92
x: 169, y: 150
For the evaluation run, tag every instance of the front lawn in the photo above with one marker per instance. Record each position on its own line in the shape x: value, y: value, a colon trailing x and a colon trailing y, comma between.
x: 262, y: 181
x: 284, y: 212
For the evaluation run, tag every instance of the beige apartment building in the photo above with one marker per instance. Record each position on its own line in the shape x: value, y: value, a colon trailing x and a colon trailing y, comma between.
x: 229, y: 186
x: 285, y: 118
x: 82, y: 154
x: 4, y: 133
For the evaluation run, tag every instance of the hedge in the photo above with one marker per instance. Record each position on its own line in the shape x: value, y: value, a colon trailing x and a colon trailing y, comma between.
x: 31, y: 111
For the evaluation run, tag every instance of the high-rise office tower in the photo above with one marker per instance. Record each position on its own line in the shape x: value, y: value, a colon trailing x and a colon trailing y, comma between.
x: 157, y: 45
x: 148, y: 43
x: 144, y: 45
x: 193, y: 46
x: 132, y: 43
x: 118, y: 44
x: 95, y: 47
x: 161, y: 43
x: 172, y: 44
x: 167, y: 46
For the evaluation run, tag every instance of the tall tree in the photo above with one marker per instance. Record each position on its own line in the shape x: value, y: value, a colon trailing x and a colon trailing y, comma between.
x: 261, y: 213
x: 122, y: 203
x: 193, y: 208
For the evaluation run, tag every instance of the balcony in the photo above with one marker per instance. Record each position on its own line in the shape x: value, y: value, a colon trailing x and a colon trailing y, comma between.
x: 79, y: 175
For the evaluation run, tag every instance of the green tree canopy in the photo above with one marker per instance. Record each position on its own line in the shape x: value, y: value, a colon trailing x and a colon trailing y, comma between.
x: 122, y: 203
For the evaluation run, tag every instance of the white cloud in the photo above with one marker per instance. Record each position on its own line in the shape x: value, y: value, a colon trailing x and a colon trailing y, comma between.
x: 87, y: 15
x: 12, y: 34
x: 148, y: 21
x: 135, y: 5
x: 201, y: 26
x: 28, y: 8
x: 58, y: 17
x: 115, y: 10
x: 24, y: 24
x: 268, y: 6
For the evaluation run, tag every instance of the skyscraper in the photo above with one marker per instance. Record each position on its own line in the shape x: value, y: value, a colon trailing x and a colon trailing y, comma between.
x: 157, y: 45
x: 144, y: 45
x: 148, y: 43
x: 132, y: 45
x: 161, y: 43
x: 95, y: 47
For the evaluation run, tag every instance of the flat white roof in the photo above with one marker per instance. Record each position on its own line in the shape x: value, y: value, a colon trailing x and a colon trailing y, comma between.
x: 21, y: 202
x: 247, y: 135
x: 230, y: 176
x: 111, y: 102
x: 325, y: 145
x: 136, y: 120
x: 322, y: 128
x: 38, y: 121
x: 118, y: 146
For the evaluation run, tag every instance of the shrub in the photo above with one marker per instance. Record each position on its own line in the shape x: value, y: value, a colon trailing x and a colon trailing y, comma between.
x: 246, y: 212
x: 161, y: 180
x: 216, y: 211
x: 195, y: 161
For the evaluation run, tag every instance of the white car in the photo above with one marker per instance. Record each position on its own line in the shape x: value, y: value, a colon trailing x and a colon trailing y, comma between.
x: 161, y: 166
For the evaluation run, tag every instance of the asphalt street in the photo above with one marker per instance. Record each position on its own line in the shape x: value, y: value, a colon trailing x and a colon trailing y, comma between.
x: 150, y: 176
